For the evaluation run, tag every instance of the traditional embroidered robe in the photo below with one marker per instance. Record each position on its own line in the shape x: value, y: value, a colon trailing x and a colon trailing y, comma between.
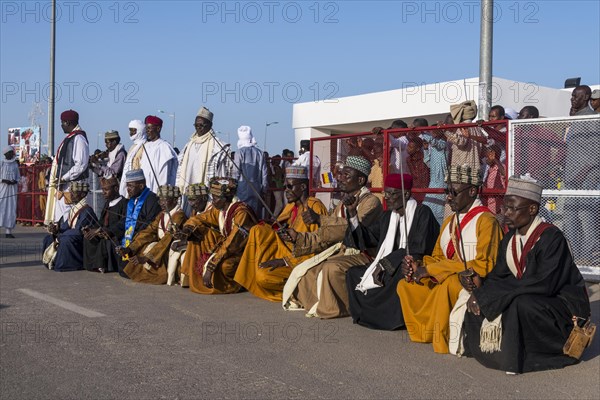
x: 154, y: 242
x: 379, y: 308
x: 426, y: 309
x: 224, y: 237
x: 264, y: 244
x: 536, y: 309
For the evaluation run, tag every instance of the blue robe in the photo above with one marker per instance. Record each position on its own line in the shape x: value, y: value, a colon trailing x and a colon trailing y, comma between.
x: 69, y: 256
x: 252, y: 162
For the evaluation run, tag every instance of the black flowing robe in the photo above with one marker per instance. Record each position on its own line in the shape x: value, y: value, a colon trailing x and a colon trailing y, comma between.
x: 380, y: 308
x: 148, y: 213
x: 100, y: 253
x: 69, y: 255
x: 536, y: 310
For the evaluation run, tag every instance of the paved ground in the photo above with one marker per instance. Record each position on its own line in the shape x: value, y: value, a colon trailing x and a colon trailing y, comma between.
x: 82, y: 335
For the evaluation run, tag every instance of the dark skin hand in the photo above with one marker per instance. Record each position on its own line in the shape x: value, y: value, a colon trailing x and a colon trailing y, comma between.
x: 53, y: 228
x: 310, y: 217
x: 273, y: 264
x: 123, y: 251
x: 472, y: 305
x: 413, y: 271
x: 288, y: 235
x: 141, y: 260
x: 351, y: 203
x: 469, y: 279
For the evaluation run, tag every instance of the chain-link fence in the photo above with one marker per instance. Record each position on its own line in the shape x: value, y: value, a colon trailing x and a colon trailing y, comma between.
x: 564, y: 155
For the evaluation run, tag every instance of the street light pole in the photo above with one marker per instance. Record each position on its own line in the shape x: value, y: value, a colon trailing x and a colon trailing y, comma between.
x: 172, y: 115
x: 267, y: 124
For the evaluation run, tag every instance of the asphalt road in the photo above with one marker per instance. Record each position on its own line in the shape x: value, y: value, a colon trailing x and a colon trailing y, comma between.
x: 82, y: 335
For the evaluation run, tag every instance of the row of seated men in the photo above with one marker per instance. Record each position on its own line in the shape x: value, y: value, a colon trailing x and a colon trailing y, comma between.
x: 509, y: 300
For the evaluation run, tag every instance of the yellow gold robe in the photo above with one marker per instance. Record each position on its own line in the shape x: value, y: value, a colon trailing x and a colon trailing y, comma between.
x: 264, y: 245
x: 154, y: 242
x: 427, y: 308
x: 225, y: 247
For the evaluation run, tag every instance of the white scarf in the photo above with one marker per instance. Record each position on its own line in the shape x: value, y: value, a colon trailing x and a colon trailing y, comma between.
x: 387, y: 247
x: 204, y: 146
x: 113, y: 154
x: 246, y: 138
x: 167, y: 221
x: 223, y: 215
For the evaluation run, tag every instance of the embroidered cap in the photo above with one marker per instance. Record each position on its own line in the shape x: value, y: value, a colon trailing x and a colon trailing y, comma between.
x: 169, y: 191
x: 524, y: 186
x: 223, y: 187
x: 296, y: 172
x: 135, y: 175
x: 111, y: 135
x: 196, y: 190
x: 463, y: 174
x: 79, y: 186
x: 205, y: 113
x: 359, y: 163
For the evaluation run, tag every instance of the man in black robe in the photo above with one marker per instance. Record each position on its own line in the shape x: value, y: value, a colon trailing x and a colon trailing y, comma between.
x: 531, y: 296
x: 101, y: 239
x: 374, y: 301
x: 142, y: 208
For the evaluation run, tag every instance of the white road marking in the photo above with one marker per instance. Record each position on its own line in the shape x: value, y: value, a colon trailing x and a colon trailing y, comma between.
x: 61, y: 303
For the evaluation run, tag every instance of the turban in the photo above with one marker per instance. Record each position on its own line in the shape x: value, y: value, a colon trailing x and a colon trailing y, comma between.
x: 8, y: 149
x: 154, y: 120
x: 111, y: 135
x: 463, y: 112
x: 395, y: 181
x: 246, y: 139
x: 196, y: 190
x: 79, y: 186
x: 140, y: 130
x: 69, y: 115
x: 524, y: 186
x: 296, y: 172
x: 134, y: 175
x: 223, y: 187
x: 359, y: 163
x: 168, y: 191
x: 305, y: 144
x: 205, y: 113
x: 463, y: 174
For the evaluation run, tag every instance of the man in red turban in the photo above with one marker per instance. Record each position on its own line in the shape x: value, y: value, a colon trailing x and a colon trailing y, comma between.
x: 405, y: 228
x: 159, y: 160
x: 70, y: 164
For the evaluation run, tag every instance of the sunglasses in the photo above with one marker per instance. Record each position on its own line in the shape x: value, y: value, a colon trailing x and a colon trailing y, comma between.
x: 455, y: 193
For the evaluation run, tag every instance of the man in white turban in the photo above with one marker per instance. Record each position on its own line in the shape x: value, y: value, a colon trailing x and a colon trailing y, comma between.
x: 252, y: 171
x: 203, y: 157
x: 137, y: 134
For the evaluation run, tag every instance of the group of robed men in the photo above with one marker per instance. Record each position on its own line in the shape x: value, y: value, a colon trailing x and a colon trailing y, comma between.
x: 509, y: 301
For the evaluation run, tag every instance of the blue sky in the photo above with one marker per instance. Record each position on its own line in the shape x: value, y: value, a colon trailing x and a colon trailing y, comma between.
x: 250, y: 61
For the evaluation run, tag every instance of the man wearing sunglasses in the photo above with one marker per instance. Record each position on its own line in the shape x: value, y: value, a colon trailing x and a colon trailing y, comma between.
x: 519, y: 316
x: 319, y: 284
x: 203, y: 157
x: 268, y: 260
x: 468, y: 240
x: 374, y: 302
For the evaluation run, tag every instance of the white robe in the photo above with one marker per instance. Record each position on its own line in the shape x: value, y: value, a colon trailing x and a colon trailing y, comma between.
x: 9, y: 170
x: 159, y: 162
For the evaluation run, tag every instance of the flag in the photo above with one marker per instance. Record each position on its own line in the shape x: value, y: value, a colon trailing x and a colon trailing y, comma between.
x: 327, y: 177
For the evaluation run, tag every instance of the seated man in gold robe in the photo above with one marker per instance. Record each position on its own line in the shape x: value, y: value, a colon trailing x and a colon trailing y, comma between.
x: 268, y: 260
x: 150, y: 255
x: 468, y: 240
x: 318, y: 285
x: 221, y: 233
x: 197, y: 198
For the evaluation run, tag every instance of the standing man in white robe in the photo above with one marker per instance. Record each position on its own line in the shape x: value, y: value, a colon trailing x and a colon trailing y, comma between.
x: 203, y: 157
x: 69, y: 165
x: 137, y: 134
x: 9, y: 175
x: 304, y: 161
x: 159, y: 160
